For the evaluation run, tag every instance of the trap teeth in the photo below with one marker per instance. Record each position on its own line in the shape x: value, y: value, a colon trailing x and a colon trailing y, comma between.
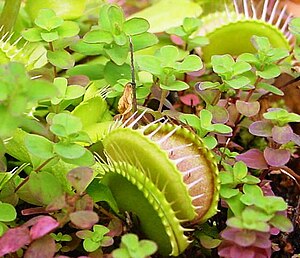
x: 170, y: 162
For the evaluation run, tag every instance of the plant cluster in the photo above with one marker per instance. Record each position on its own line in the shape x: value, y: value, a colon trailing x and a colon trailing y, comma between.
x: 89, y: 166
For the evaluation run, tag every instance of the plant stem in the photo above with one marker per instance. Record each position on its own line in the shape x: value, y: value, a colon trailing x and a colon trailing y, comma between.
x: 9, y: 15
x: 36, y: 170
x: 163, y: 96
x: 54, y: 67
x: 133, y: 84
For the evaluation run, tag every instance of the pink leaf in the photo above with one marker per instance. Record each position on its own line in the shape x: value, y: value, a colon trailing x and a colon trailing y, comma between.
x: 276, y: 157
x: 190, y: 100
x: 261, y: 128
x: 43, y: 226
x: 177, y: 40
x: 84, y: 219
x: 247, y: 108
x: 253, y: 158
x: 13, y: 240
x: 42, y: 247
x: 282, y: 134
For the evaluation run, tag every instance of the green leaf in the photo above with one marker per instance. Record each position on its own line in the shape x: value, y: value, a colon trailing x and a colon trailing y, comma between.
x: 40, y: 90
x: 251, y: 180
x: 61, y: 59
x: 90, y: 246
x: 178, y: 31
x: 191, y: 120
x: 151, y: 64
x: 222, y: 63
x: 48, y: 20
x: 248, y: 57
x: 227, y: 192
x: 69, y: 150
x: 100, y: 192
x: 39, y: 146
x: 209, y: 242
x: 121, y: 39
x: 270, y: 88
x: 74, y: 92
x: 86, y: 48
x: 189, y: 64
x: 68, y: 29
x: 98, y: 36
x: 65, y: 124
x: 241, y: 67
x: 32, y: 35
x: 168, y: 54
x: 7, y: 212
x: 261, y: 43
x: 143, y: 40
x: 198, y: 41
x: 191, y: 24
x: 41, y: 189
x: 235, y: 222
x: 136, y: 26
x: 208, y: 85
x: 175, y: 86
x: 235, y: 205
x: 240, y: 170
x: 87, y: 159
x: 113, y: 73
x: 49, y: 36
x: 116, y: 17
x: 282, y: 223
x: 270, y: 71
x: 238, y: 83
x: 118, y: 54
x: 205, y: 118
x: 96, y: 107
x: 210, y: 142
x: 220, y: 128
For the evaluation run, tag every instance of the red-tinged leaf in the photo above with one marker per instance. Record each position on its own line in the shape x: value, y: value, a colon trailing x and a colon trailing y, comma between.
x: 84, y: 219
x: 80, y: 178
x: 85, y: 203
x: 115, y: 227
x: 248, y: 108
x: 13, y: 240
x: 282, y: 134
x: 43, y: 226
x: 190, y: 100
x: 42, y: 247
x: 276, y: 157
x: 261, y: 128
x: 253, y: 158
x: 220, y: 114
x: 57, y: 204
